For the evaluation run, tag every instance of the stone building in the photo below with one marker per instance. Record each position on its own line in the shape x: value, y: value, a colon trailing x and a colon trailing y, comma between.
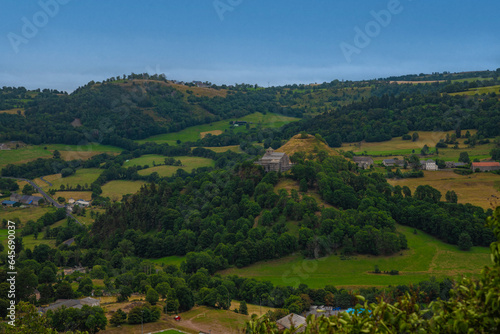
x: 363, y: 162
x: 274, y: 161
x: 485, y: 166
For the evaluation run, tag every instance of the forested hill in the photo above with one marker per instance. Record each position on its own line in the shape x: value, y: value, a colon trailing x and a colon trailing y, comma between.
x: 119, y: 111
x: 382, y: 118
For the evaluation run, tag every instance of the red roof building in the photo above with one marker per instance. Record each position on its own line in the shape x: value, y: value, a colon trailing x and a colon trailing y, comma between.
x: 485, y: 166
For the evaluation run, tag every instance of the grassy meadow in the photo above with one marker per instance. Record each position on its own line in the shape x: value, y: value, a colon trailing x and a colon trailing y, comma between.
x: 222, y: 149
x: 481, y: 189
x: 479, y: 91
x: 68, y: 152
x: 194, y: 133
x: 426, y: 257
x: 82, y: 176
x: 116, y: 189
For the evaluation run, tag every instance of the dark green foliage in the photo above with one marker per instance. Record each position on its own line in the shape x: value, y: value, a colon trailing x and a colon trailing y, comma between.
x: 243, y: 308
x: 118, y: 318
x: 451, y: 196
x: 464, y: 241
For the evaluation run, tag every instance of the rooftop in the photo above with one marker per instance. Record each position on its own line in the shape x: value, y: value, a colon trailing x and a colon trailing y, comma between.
x: 486, y: 164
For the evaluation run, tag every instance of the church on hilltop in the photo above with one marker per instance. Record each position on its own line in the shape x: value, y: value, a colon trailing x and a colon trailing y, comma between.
x: 274, y: 161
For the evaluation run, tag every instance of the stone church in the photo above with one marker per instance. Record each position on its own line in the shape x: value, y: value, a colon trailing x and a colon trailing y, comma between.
x: 275, y: 161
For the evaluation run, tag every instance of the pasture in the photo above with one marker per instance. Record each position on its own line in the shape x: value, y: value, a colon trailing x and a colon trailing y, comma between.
x: 479, y: 91
x: 188, y: 164
x: 168, y: 260
x: 116, y: 189
x: 194, y: 133
x: 68, y: 152
x: 222, y: 149
x: 82, y: 176
x: 426, y: 257
x: 481, y: 189
x: 24, y: 214
x: 397, y: 147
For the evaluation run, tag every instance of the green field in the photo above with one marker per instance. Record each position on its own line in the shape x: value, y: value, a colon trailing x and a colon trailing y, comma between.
x: 472, y: 79
x: 426, y: 257
x: 189, y: 163
x: 399, y: 147
x: 68, y: 152
x: 24, y: 214
x: 480, y: 91
x: 116, y: 189
x: 82, y: 176
x: 234, y: 148
x: 193, y: 133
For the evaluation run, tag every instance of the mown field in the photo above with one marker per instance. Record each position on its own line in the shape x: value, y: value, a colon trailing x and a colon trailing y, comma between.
x: 194, y: 133
x: 24, y: 214
x: 426, y: 257
x: 481, y: 189
x: 234, y: 148
x: 188, y: 164
x: 82, y: 176
x: 68, y: 152
x: 116, y: 189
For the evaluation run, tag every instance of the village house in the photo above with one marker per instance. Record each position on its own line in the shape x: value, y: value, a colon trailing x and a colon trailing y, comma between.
x: 292, y: 320
x: 363, y: 162
x: 392, y: 162
x: 326, y: 311
x: 485, y: 166
x: 275, y: 161
x: 25, y: 199
x: 428, y: 165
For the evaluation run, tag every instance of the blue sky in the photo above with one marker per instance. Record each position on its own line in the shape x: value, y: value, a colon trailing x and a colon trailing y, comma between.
x: 235, y: 41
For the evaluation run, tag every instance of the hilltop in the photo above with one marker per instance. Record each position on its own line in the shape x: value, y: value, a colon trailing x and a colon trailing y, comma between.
x: 306, y: 145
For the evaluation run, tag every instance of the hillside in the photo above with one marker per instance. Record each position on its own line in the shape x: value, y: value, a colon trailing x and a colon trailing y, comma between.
x: 306, y: 145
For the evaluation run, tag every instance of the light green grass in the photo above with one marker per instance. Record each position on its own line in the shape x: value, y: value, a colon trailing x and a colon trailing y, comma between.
x: 69, y: 152
x: 24, y: 214
x: 222, y: 149
x: 471, y: 79
x: 426, y: 257
x: 193, y: 133
x: 116, y: 189
x: 480, y: 91
x: 28, y: 241
x: 188, y: 164
x: 23, y: 155
x: 147, y: 159
x: 82, y: 176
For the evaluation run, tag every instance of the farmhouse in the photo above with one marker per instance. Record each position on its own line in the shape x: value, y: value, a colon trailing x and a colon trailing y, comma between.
x: 485, y: 166
x: 326, y: 311
x: 8, y: 203
x: 363, y: 162
x: 428, y: 165
x: 25, y: 199
x: 292, y: 320
x: 275, y: 161
x: 392, y: 162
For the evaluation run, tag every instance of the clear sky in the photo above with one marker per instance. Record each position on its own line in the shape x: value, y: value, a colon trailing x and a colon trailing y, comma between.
x: 64, y: 44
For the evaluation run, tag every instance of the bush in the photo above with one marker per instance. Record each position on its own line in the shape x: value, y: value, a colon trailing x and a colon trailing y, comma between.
x: 462, y: 171
x: 394, y: 272
x: 406, y: 137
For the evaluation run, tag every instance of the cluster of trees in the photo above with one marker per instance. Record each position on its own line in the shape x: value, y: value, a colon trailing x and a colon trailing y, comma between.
x: 471, y: 308
x: 388, y: 116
